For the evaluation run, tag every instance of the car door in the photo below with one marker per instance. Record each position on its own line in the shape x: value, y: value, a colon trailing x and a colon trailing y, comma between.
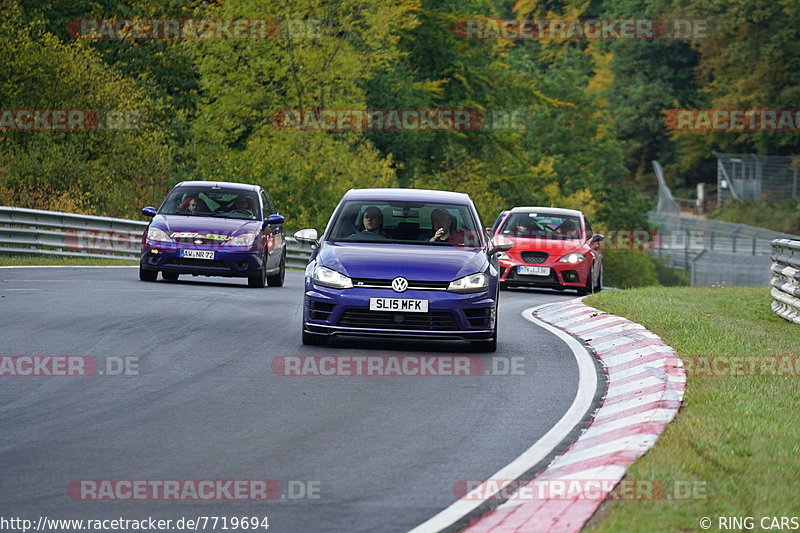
x: 595, y: 247
x: 273, y: 233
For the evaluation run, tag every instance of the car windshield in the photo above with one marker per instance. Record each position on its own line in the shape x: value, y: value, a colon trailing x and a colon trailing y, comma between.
x: 423, y: 223
x: 212, y: 202
x: 541, y: 226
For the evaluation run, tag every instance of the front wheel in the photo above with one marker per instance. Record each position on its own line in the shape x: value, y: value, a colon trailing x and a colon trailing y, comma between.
x: 590, y: 287
x: 599, y: 286
x: 491, y: 345
x: 277, y: 279
x: 259, y: 279
x: 148, y: 275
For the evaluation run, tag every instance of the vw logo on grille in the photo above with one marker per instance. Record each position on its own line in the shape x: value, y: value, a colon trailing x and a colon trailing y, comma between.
x: 399, y: 284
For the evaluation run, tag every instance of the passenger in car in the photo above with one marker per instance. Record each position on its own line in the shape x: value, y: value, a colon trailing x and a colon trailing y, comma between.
x: 193, y: 205
x: 443, y: 225
x: 569, y: 230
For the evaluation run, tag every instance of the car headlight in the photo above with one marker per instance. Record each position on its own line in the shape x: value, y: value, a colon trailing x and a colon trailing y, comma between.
x: 158, y: 235
x: 571, y: 258
x: 503, y: 256
x: 471, y: 283
x: 243, y: 239
x: 330, y: 278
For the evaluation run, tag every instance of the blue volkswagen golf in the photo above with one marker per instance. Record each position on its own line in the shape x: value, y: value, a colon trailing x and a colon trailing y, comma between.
x: 402, y: 263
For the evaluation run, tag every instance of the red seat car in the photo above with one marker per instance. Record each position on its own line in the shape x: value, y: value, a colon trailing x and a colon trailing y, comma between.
x: 553, y: 248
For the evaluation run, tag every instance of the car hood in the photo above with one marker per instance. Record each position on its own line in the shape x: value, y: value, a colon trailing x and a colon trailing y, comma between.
x: 414, y: 262
x: 216, y: 225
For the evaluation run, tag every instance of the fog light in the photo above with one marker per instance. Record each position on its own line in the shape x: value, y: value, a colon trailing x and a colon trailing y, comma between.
x: 570, y: 276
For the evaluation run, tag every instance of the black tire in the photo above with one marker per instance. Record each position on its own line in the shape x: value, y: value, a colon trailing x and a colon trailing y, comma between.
x: 259, y: 279
x: 170, y: 276
x: 147, y: 275
x: 599, y: 286
x: 277, y: 279
x: 491, y: 345
x: 314, y: 339
x: 589, y: 288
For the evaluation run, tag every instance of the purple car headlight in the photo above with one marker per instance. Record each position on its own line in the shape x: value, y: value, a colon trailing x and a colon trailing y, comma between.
x: 330, y: 278
x: 158, y: 235
x: 471, y: 283
x: 243, y: 239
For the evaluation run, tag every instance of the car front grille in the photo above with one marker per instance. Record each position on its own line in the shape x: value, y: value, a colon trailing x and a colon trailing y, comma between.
x: 193, y: 240
x: 433, y: 321
x: 479, y: 317
x: 203, y: 263
x: 373, y: 283
x: 534, y: 258
x: 320, y: 310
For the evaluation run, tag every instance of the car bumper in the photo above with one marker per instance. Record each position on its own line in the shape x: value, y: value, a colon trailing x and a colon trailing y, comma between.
x: 228, y: 263
x: 562, y: 275
x: 450, y: 315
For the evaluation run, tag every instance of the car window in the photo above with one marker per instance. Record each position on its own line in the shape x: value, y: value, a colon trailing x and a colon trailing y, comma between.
x: 541, y: 226
x: 212, y: 201
x: 498, y: 220
x: 405, y: 222
x: 588, y: 226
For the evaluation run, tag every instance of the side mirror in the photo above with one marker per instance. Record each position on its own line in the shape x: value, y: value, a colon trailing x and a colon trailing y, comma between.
x: 500, y: 244
x: 273, y: 219
x: 149, y: 211
x: 306, y: 236
x: 597, y: 237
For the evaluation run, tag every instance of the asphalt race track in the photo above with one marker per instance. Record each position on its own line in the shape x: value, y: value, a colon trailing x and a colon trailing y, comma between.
x: 382, y: 454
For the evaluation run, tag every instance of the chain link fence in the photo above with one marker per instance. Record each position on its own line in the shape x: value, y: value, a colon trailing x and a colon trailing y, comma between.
x: 756, y: 177
x: 715, y: 252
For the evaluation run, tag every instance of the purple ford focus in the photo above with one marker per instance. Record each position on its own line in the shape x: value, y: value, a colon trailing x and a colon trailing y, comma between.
x: 207, y: 228
x: 402, y: 263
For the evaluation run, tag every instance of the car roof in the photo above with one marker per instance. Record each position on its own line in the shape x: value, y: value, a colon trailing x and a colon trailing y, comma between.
x: 546, y: 211
x: 226, y: 184
x: 410, y: 195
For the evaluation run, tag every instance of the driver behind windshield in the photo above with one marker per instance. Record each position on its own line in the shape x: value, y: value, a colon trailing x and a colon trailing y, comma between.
x: 372, y: 219
x: 242, y: 203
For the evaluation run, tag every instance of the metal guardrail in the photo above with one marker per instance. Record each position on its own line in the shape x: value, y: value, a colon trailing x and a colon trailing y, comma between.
x: 57, y: 234
x: 786, y: 279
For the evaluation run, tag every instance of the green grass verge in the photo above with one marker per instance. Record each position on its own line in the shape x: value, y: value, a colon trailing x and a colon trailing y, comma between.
x: 739, y: 436
x: 62, y: 261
